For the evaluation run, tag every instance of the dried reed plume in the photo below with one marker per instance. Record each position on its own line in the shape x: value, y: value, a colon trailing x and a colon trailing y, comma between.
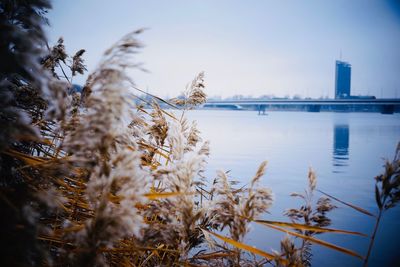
x: 235, y: 209
x: 309, y: 215
x: 194, y: 94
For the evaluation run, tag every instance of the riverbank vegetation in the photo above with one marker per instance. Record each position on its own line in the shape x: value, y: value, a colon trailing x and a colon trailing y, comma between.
x: 91, y: 179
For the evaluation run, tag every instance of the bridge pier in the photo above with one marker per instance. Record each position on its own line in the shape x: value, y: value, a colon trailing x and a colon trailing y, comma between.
x: 261, y: 109
x: 387, y: 109
x: 313, y: 108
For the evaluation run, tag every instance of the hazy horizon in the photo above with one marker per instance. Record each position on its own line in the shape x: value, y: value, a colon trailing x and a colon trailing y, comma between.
x: 263, y: 48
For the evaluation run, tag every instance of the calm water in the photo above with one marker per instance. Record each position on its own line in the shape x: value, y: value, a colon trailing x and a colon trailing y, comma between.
x: 345, y: 149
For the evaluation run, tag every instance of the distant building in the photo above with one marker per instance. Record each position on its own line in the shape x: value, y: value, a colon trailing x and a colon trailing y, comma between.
x: 342, y: 79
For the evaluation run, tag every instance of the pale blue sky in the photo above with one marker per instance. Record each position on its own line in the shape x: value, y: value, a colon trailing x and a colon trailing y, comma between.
x: 244, y: 47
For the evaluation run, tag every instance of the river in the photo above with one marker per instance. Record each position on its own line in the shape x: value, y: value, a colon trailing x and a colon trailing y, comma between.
x: 346, y: 150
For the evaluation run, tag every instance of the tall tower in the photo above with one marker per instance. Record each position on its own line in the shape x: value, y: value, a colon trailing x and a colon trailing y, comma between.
x: 342, y: 79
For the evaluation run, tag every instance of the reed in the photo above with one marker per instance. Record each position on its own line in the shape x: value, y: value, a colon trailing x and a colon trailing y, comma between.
x: 387, y: 193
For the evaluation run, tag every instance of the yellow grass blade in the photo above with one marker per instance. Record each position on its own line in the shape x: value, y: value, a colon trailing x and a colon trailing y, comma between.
x: 156, y: 195
x: 75, y: 228
x: 51, y: 239
x: 152, y: 196
x: 213, y: 255
x: 348, y: 204
x: 134, y: 249
x: 162, y: 154
x: 30, y: 160
x: 153, y: 148
x: 47, y: 142
x: 308, y: 227
x: 317, y: 241
x: 244, y: 246
x: 152, y: 254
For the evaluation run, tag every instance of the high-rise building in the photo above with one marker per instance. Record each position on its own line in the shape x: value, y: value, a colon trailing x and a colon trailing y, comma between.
x: 342, y: 79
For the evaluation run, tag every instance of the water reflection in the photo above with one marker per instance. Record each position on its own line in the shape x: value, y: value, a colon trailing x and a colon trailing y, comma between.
x: 240, y: 140
x: 340, y: 146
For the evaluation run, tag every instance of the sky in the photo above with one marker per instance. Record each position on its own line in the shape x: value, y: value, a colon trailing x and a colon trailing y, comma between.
x: 281, y: 48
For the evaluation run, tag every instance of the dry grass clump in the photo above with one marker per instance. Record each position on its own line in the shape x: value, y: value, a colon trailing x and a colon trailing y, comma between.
x: 96, y: 179
x: 105, y: 182
x: 309, y: 215
x: 235, y: 209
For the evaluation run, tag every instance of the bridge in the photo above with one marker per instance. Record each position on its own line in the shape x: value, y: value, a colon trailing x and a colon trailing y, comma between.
x: 386, y: 106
